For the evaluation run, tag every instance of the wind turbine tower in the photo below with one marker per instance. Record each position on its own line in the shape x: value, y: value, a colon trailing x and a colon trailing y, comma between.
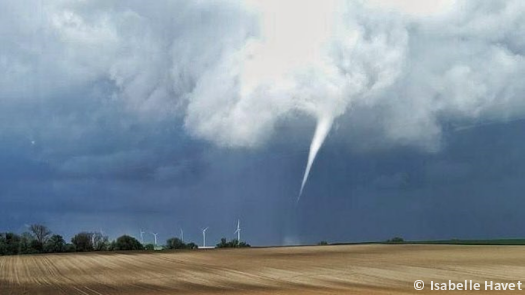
x: 204, y: 237
x: 181, y: 235
x: 142, y: 236
x: 238, y: 231
x: 155, y: 235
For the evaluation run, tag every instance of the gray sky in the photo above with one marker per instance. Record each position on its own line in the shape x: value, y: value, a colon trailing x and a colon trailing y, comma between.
x: 122, y: 115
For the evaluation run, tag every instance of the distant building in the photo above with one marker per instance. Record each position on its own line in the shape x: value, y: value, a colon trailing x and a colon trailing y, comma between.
x: 207, y: 247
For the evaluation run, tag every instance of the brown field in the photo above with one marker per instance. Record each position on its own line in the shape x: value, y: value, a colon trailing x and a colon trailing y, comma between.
x: 359, y: 269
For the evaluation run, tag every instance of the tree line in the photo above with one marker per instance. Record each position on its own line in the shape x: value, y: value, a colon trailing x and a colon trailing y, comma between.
x: 40, y: 239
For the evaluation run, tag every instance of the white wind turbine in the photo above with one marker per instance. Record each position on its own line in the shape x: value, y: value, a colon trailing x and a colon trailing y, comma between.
x: 155, y: 235
x: 238, y: 231
x: 93, y: 234
x: 142, y: 236
x: 204, y: 237
x: 181, y: 235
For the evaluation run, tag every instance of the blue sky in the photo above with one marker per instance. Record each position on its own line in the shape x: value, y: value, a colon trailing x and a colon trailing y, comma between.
x: 124, y: 115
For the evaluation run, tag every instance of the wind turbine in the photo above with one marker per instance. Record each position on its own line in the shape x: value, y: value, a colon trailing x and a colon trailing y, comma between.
x: 94, y: 238
x: 142, y: 236
x: 181, y: 235
x: 204, y: 237
x: 238, y: 231
x: 155, y: 235
x: 93, y: 234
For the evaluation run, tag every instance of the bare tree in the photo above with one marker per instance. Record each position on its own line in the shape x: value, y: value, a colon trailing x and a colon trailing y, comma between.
x: 40, y: 233
x: 83, y: 241
x: 100, y: 241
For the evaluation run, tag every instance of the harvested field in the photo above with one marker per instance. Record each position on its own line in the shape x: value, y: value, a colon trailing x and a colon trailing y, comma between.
x: 357, y: 269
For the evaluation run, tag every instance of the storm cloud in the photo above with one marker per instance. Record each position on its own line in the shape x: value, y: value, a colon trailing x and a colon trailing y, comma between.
x: 232, y: 71
x: 127, y: 98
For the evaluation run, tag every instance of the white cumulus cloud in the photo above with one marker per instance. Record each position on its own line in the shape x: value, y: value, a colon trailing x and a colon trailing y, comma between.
x: 234, y: 70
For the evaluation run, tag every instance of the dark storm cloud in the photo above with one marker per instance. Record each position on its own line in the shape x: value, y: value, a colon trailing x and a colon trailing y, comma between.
x: 125, y: 115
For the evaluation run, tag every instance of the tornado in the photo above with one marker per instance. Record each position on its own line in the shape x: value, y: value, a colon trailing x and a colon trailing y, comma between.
x: 324, y: 124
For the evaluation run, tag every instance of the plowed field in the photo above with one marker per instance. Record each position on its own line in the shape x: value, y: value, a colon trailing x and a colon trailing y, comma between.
x: 358, y: 269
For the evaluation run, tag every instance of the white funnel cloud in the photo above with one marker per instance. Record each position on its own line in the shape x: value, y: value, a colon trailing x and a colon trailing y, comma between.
x: 324, y: 124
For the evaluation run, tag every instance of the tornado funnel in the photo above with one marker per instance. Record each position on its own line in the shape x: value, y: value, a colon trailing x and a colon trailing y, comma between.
x: 324, y: 125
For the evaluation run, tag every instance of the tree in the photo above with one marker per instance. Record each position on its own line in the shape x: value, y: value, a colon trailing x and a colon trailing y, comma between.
x: 126, y: 242
x: 70, y: 248
x: 3, y: 244
x: 83, y: 242
x: 55, y: 244
x: 9, y: 244
x: 175, y: 243
x: 149, y: 247
x: 28, y: 244
x: 100, y: 242
x: 232, y: 244
x: 222, y: 244
x: 395, y: 240
x: 322, y: 243
x: 244, y: 245
x: 192, y: 245
x: 40, y: 233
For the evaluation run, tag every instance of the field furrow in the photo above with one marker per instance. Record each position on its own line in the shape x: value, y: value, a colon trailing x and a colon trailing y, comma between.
x: 359, y: 269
